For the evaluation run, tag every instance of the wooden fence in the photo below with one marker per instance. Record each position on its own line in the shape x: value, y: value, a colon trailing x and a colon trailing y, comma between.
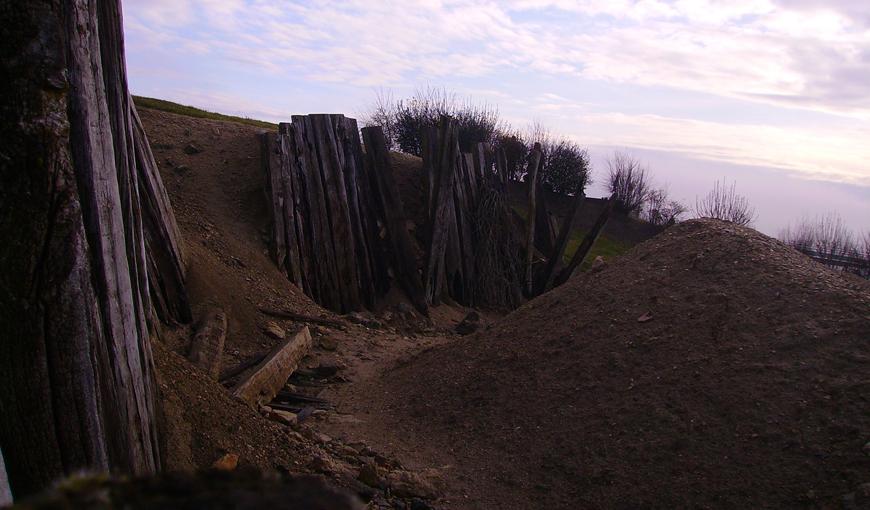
x: 340, y: 233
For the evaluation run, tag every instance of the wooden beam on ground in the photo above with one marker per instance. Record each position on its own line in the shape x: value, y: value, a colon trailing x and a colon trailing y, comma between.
x: 588, y: 242
x: 531, y: 182
x: 207, y: 345
x: 381, y: 168
x: 272, y: 373
x: 555, y: 260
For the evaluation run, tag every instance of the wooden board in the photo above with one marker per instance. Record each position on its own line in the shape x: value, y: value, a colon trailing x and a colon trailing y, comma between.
x: 207, y: 345
x: 270, y: 375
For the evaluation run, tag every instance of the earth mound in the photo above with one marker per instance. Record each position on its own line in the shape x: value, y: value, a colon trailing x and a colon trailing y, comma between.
x: 711, y: 366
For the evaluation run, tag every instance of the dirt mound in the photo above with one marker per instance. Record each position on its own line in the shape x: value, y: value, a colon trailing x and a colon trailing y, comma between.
x: 711, y: 366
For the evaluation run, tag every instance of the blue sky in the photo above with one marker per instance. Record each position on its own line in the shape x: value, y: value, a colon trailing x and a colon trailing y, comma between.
x: 771, y: 93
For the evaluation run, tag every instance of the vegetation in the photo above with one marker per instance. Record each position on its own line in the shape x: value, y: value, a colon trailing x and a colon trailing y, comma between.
x: 566, y: 165
x: 190, y: 111
x: 828, y: 240
x: 628, y: 182
x: 723, y: 203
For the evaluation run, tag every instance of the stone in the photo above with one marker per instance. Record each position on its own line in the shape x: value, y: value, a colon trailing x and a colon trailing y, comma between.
x: 275, y: 331
x: 369, y: 475
x: 598, y: 264
x: 191, y: 149
x: 228, y: 462
x: 328, y: 343
x: 322, y: 464
x: 866, y: 448
x: 469, y: 324
x: 181, y: 169
x: 406, y: 484
x: 283, y: 417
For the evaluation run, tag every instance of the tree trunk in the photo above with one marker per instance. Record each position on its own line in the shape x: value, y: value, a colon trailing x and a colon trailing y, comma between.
x: 76, y: 373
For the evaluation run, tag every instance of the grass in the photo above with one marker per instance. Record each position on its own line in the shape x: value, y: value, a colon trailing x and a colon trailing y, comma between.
x: 604, y: 246
x: 190, y: 111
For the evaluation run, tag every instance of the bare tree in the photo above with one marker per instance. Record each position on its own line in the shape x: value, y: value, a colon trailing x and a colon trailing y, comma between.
x: 723, y: 203
x: 383, y: 113
x: 826, y: 239
x: 628, y: 180
x: 661, y: 210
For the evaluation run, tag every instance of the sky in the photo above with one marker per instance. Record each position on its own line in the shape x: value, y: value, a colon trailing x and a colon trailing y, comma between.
x: 771, y: 94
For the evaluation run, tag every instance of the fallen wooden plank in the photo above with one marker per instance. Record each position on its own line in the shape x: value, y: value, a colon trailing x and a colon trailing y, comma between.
x: 555, y: 260
x: 207, y: 345
x: 299, y: 317
x: 272, y: 373
x: 587, y: 243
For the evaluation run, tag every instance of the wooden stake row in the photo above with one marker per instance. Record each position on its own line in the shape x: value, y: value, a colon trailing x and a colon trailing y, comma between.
x: 338, y: 227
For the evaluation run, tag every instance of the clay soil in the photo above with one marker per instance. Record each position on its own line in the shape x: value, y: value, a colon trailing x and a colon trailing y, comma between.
x: 709, y: 367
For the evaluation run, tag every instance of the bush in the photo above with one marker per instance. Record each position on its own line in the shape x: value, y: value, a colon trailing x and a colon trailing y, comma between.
x: 723, y: 203
x: 628, y: 181
x: 566, y: 167
x: 516, y: 152
x: 660, y: 210
x: 403, y: 121
x: 826, y: 238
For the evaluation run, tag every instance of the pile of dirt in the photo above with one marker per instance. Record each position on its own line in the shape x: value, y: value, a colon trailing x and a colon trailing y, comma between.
x: 711, y: 366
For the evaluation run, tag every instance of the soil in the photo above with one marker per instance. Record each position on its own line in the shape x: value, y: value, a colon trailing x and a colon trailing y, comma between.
x: 710, y: 366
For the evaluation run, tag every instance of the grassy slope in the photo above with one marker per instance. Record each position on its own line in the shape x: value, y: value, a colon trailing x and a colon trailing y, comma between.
x: 190, y: 111
x: 605, y: 246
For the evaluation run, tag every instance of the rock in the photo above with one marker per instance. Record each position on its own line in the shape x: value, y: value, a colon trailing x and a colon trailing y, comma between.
x: 322, y: 464
x: 228, y: 462
x: 191, y: 149
x: 275, y: 331
x: 469, y: 324
x: 406, y: 484
x: 387, y: 316
x: 866, y: 448
x: 283, y: 417
x: 369, y: 475
x: 216, y: 132
x: 646, y: 317
x: 328, y: 343
x: 322, y: 438
x: 181, y: 169
x: 598, y: 264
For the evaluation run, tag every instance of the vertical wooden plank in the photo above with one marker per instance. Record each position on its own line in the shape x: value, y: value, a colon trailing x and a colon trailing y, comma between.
x: 282, y: 150
x: 330, y: 159
x: 531, y: 183
x: 322, y: 250
x: 444, y: 162
x: 358, y: 215
x: 379, y: 164
x: 274, y: 191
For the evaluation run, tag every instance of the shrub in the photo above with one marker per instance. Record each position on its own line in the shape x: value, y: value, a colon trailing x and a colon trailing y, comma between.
x: 660, y: 210
x: 403, y: 121
x: 723, y: 203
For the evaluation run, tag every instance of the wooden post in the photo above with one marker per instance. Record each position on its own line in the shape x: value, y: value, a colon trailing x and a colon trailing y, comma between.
x: 531, y: 182
x: 75, y: 310
x: 381, y: 168
x: 588, y: 242
x: 207, y: 345
x: 562, y: 242
x: 444, y: 162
